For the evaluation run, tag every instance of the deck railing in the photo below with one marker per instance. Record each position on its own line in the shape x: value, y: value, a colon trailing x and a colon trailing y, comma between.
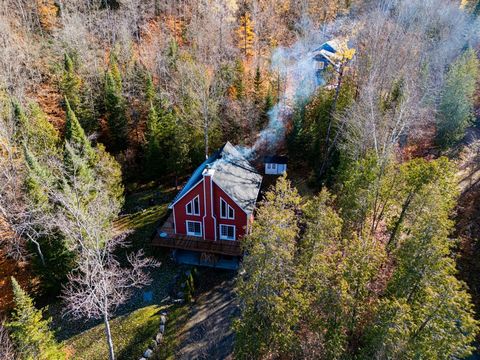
x: 176, y: 241
x: 165, y: 236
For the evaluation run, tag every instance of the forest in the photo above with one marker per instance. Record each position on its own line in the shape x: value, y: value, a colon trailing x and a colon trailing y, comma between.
x: 367, y: 248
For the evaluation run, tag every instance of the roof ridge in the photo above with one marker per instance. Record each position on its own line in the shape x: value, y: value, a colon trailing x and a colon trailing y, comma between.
x: 227, y: 154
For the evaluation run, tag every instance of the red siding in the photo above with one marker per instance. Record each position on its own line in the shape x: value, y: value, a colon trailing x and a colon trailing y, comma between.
x: 210, y: 225
x: 240, y: 220
x: 180, y: 212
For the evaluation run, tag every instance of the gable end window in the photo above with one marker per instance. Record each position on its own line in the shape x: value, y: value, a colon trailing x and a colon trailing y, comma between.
x: 227, y: 232
x: 193, y: 207
x: 226, y: 211
x: 194, y: 228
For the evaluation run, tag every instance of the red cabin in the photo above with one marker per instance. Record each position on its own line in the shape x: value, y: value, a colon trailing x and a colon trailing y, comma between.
x: 213, y: 211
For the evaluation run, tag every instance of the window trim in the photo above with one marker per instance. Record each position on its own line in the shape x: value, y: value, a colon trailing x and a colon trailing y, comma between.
x: 227, y: 210
x: 192, y: 233
x: 228, y: 238
x: 193, y: 207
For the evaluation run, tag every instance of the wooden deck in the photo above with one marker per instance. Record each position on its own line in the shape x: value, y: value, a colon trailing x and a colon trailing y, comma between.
x: 184, y: 242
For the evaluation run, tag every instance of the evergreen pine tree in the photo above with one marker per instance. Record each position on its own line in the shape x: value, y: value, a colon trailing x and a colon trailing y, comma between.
x: 172, y: 53
x: 21, y: 119
x: 238, y: 82
x: 257, y: 86
x: 37, y: 178
x: 267, y: 106
x: 246, y: 34
x: 268, y: 290
x: 457, y: 99
x: 55, y: 260
x: 150, y: 93
x: 71, y: 84
x: 178, y: 143
x: 426, y: 311
x: 153, y: 152
x: 75, y: 135
x: 30, y: 332
x: 73, y: 90
x: 79, y: 157
x: 115, y: 107
x: 34, y: 131
x: 82, y: 159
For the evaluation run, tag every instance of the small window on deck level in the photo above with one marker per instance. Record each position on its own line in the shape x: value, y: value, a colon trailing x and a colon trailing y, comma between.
x: 227, y: 232
x: 194, y: 228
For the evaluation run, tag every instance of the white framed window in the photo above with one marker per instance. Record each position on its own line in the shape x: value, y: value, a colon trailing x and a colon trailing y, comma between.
x: 226, y: 211
x: 193, y: 207
x: 194, y: 228
x: 227, y: 232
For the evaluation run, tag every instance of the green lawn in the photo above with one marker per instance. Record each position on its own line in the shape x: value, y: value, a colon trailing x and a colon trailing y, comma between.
x: 175, y: 321
x: 131, y: 334
x: 144, y: 211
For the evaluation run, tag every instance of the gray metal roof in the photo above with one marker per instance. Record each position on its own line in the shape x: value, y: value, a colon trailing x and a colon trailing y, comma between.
x: 233, y: 173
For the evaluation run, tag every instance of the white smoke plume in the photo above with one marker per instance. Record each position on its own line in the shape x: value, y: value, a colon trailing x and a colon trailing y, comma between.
x: 296, y: 68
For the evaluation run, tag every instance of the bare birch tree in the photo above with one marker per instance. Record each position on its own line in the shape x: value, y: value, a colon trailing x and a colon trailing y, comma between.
x: 7, y: 351
x: 201, y: 94
x: 19, y: 222
x: 87, y: 196
x: 100, y: 284
x: 403, y: 50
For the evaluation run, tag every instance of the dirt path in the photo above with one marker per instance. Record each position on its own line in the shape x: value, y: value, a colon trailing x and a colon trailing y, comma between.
x: 207, y: 334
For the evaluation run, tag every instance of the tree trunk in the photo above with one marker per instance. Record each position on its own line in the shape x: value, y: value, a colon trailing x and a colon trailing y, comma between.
x: 245, y: 34
x: 39, y: 250
x: 205, y: 134
x: 108, y: 334
x: 405, y: 207
x: 329, y: 129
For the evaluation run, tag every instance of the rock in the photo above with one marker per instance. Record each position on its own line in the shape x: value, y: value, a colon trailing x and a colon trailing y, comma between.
x: 162, y: 329
x: 163, y: 319
x: 164, y: 300
x: 142, y: 358
x: 178, y: 301
x: 148, y: 353
x: 159, y: 338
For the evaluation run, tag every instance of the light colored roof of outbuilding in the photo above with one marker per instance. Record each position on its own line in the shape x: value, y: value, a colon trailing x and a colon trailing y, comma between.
x: 233, y: 173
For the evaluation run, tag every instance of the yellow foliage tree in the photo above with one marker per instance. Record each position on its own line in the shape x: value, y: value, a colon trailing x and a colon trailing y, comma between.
x: 344, y: 54
x: 246, y: 35
x: 47, y: 13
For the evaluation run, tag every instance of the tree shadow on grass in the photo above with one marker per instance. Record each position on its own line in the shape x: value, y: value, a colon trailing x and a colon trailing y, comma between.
x: 143, y: 337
